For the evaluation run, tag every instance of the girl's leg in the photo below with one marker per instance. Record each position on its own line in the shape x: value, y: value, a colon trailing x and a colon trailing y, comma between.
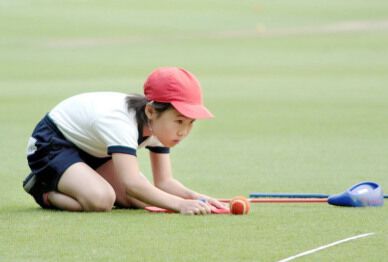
x: 86, y: 187
x: 63, y: 201
x: 122, y: 198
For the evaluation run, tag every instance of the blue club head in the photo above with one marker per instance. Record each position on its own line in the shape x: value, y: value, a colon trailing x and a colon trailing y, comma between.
x: 361, y: 195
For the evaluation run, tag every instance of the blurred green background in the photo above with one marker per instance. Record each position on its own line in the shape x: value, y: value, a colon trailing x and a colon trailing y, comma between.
x: 299, y: 90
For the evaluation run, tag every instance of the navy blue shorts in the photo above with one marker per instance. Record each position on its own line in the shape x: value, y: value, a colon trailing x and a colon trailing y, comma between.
x: 50, y: 154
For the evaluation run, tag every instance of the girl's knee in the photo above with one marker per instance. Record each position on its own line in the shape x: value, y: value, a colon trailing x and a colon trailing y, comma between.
x: 99, y: 200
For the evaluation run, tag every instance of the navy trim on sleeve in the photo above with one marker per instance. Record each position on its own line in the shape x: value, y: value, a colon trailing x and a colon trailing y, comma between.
x: 158, y: 149
x: 121, y: 149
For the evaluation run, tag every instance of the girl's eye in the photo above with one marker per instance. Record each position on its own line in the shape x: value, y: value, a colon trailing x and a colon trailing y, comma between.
x: 179, y: 121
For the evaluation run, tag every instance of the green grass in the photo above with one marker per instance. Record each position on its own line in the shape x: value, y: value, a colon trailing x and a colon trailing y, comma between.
x: 296, y: 111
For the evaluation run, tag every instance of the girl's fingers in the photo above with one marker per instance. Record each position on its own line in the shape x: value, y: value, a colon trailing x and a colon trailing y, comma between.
x: 203, y: 209
x: 217, y: 203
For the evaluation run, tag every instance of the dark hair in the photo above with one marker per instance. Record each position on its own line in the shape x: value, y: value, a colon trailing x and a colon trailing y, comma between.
x: 138, y: 103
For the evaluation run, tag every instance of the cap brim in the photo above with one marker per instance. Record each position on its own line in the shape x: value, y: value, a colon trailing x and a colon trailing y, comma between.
x: 192, y: 111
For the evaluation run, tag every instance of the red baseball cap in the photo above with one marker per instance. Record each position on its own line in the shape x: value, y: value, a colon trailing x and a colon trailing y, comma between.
x: 180, y: 88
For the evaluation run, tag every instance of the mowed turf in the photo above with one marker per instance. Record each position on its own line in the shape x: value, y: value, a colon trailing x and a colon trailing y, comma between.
x: 299, y: 90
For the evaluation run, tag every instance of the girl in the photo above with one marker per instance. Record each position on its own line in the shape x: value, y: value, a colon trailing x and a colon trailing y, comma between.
x: 82, y: 154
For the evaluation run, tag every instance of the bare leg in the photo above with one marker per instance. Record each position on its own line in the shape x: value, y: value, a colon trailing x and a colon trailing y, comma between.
x: 83, y: 189
x: 63, y: 201
x: 86, y: 187
x: 122, y: 198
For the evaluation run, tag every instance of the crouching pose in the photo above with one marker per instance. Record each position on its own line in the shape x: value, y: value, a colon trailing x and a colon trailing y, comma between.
x: 82, y: 154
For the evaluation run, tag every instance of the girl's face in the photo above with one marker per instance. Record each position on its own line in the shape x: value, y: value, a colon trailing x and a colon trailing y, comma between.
x: 170, y: 127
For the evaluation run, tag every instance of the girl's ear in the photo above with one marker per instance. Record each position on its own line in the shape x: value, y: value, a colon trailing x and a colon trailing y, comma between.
x: 149, y: 111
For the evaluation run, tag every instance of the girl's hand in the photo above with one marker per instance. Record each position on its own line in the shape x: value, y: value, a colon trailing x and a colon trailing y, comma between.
x: 214, y: 202
x: 194, y: 207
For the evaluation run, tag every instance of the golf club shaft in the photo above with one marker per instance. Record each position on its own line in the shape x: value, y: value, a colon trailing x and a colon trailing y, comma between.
x: 282, y: 200
x: 287, y: 195
x: 290, y: 195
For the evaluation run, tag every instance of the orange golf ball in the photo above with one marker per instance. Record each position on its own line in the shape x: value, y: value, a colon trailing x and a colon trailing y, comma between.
x: 239, y: 205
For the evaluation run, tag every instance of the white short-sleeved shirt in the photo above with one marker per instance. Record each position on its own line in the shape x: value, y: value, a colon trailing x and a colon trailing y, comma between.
x: 100, y: 124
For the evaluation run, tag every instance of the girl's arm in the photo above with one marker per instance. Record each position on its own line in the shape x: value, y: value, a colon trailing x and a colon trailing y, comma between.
x: 163, y: 179
x: 127, y: 169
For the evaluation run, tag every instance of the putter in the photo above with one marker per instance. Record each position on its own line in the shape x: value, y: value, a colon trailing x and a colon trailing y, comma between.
x: 360, y: 195
x: 365, y: 194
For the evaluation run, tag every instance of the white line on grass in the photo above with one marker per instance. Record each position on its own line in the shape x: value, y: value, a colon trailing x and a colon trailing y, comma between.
x: 325, y: 246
